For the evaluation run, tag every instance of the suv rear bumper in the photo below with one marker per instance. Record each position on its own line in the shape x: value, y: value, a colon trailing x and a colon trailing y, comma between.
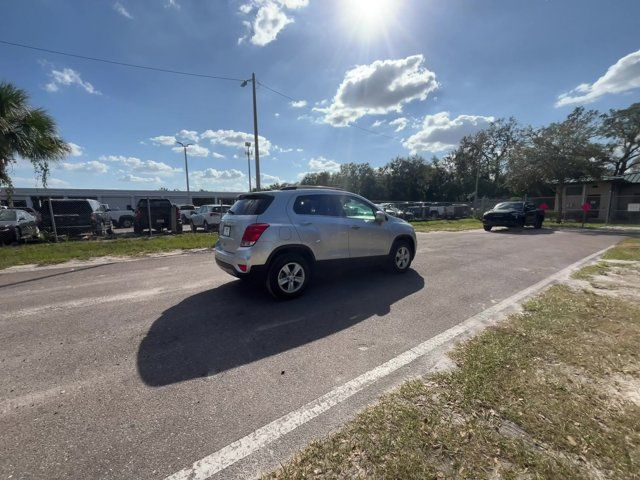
x: 232, y: 262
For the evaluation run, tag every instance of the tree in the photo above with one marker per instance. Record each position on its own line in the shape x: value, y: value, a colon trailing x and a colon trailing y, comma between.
x: 28, y: 133
x: 622, y: 128
x: 558, y: 153
x: 485, y: 155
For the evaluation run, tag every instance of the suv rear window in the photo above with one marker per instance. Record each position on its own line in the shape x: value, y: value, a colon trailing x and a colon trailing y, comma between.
x: 251, y: 205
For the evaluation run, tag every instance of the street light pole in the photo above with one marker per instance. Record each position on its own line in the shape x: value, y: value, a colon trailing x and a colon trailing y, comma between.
x: 186, y: 166
x: 248, y: 145
x: 255, y: 127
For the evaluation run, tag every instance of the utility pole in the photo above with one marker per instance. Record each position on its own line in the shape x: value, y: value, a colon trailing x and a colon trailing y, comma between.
x: 186, y: 166
x: 248, y: 145
x: 475, y: 194
x: 255, y: 127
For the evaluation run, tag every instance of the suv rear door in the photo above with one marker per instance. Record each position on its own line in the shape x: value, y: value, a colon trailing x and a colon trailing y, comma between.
x: 243, y: 213
x: 318, y: 220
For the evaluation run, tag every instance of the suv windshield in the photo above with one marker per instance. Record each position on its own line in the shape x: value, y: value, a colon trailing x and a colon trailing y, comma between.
x: 251, y: 205
x: 509, y: 206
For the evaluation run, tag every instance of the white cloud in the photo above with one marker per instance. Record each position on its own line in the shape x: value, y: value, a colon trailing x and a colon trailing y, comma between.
x: 298, y: 104
x: 142, y: 166
x: 321, y: 164
x: 378, y: 123
x: 188, y: 135
x: 119, y: 7
x: 76, y: 150
x: 269, y: 20
x: 379, y: 88
x: 622, y: 76
x: 267, y: 179
x: 439, y: 132
x: 400, y: 122
x: 193, y: 150
x: 128, y: 177
x: 217, y: 155
x: 212, y: 173
x: 168, y: 140
x: 172, y: 4
x: 66, y: 77
x: 276, y: 114
x: 35, y: 182
x: 233, y: 138
x: 92, y: 166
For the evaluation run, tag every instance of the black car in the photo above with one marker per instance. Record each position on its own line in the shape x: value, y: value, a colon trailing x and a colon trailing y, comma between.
x: 513, y: 214
x: 162, y: 213
x: 76, y: 217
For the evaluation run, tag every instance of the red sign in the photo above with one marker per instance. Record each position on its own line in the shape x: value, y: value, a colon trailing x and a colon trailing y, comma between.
x: 544, y: 206
x: 586, y: 207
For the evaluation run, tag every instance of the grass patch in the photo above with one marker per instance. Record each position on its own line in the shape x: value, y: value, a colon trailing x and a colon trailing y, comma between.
x: 51, y: 253
x: 447, y: 225
x: 589, y: 226
x: 550, y: 393
x: 628, y: 249
x: 589, y: 271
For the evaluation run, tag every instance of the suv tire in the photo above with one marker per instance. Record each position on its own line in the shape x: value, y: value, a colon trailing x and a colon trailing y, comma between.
x: 288, y: 276
x: 487, y: 228
x: 400, y: 257
x: 538, y: 224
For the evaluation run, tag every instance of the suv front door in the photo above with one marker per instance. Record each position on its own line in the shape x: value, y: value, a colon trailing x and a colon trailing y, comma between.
x: 317, y: 219
x: 367, y: 238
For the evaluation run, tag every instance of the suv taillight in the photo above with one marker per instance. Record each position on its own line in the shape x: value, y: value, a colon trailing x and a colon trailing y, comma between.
x: 252, y: 234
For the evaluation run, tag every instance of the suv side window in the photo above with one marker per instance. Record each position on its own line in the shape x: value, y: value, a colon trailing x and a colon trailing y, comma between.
x: 356, y: 208
x: 326, y: 205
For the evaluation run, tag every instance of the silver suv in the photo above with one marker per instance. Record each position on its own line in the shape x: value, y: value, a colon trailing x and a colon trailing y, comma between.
x: 280, y: 236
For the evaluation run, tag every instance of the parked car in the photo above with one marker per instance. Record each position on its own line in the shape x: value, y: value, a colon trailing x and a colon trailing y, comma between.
x: 279, y: 237
x: 33, y: 212
x: 394, y: 211
x: 76, y: 217
x: 513, y: 214
x: 163, y: 213
x: 208, y: 217
x: 120, y: 218
x: 185, y: 213
x: 17, y: 225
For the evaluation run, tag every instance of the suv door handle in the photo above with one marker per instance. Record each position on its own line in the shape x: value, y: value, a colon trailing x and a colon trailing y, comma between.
x: 355, y: 227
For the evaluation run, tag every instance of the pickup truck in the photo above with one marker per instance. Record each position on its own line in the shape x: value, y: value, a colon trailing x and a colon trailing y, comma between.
x: 513, y: 214
x: 163, y: 213
x: 120, y: 218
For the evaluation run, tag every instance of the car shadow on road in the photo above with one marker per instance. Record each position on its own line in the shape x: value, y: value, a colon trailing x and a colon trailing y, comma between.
x: 523, y: 231
x: 235, y: 324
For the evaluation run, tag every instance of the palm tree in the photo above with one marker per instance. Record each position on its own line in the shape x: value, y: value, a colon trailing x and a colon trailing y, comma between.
x: 26, y: 132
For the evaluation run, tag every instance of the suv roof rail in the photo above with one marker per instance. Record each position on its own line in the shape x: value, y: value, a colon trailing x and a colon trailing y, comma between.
x: 310, y: 187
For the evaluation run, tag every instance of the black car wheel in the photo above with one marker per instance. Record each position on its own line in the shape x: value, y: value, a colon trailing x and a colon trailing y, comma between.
x: 288, y: 276
x: 487, y: 228
x: 400, y: 257
x: 125, y: 223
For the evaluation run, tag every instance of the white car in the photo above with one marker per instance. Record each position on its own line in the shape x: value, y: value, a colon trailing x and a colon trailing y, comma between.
x: 208, y: 217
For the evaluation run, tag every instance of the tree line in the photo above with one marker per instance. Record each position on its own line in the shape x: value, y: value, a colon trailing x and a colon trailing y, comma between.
x: 506, y: 159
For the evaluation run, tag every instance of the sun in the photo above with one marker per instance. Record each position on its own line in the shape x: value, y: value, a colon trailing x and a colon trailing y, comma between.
x: 370, y: 14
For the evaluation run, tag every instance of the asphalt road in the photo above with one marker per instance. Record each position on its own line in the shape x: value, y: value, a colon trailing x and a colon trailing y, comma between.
x: 139, y: 369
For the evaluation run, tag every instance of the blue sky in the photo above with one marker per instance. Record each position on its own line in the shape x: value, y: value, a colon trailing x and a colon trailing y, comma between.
x: 422, y: 73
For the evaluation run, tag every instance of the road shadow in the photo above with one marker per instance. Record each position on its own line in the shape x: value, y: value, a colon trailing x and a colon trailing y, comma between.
x: 522, y: 231
x: 235, y: 324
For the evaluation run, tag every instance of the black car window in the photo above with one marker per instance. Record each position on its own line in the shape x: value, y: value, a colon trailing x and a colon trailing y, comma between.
x: 326, y: 205
x: 252, y: 204
x: 509, y: 206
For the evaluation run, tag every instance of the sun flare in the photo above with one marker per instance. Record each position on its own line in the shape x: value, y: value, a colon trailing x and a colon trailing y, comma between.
x: 370, y: 13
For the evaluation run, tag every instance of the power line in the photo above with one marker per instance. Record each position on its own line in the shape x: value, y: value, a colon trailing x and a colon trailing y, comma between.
x: 350, y: 125
x: 122, y: 64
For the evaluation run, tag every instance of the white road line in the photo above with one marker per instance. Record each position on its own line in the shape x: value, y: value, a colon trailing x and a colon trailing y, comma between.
x: 232, y: 453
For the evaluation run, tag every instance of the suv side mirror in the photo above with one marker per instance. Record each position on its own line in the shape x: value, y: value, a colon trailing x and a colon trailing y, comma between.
x: 380, y: 216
